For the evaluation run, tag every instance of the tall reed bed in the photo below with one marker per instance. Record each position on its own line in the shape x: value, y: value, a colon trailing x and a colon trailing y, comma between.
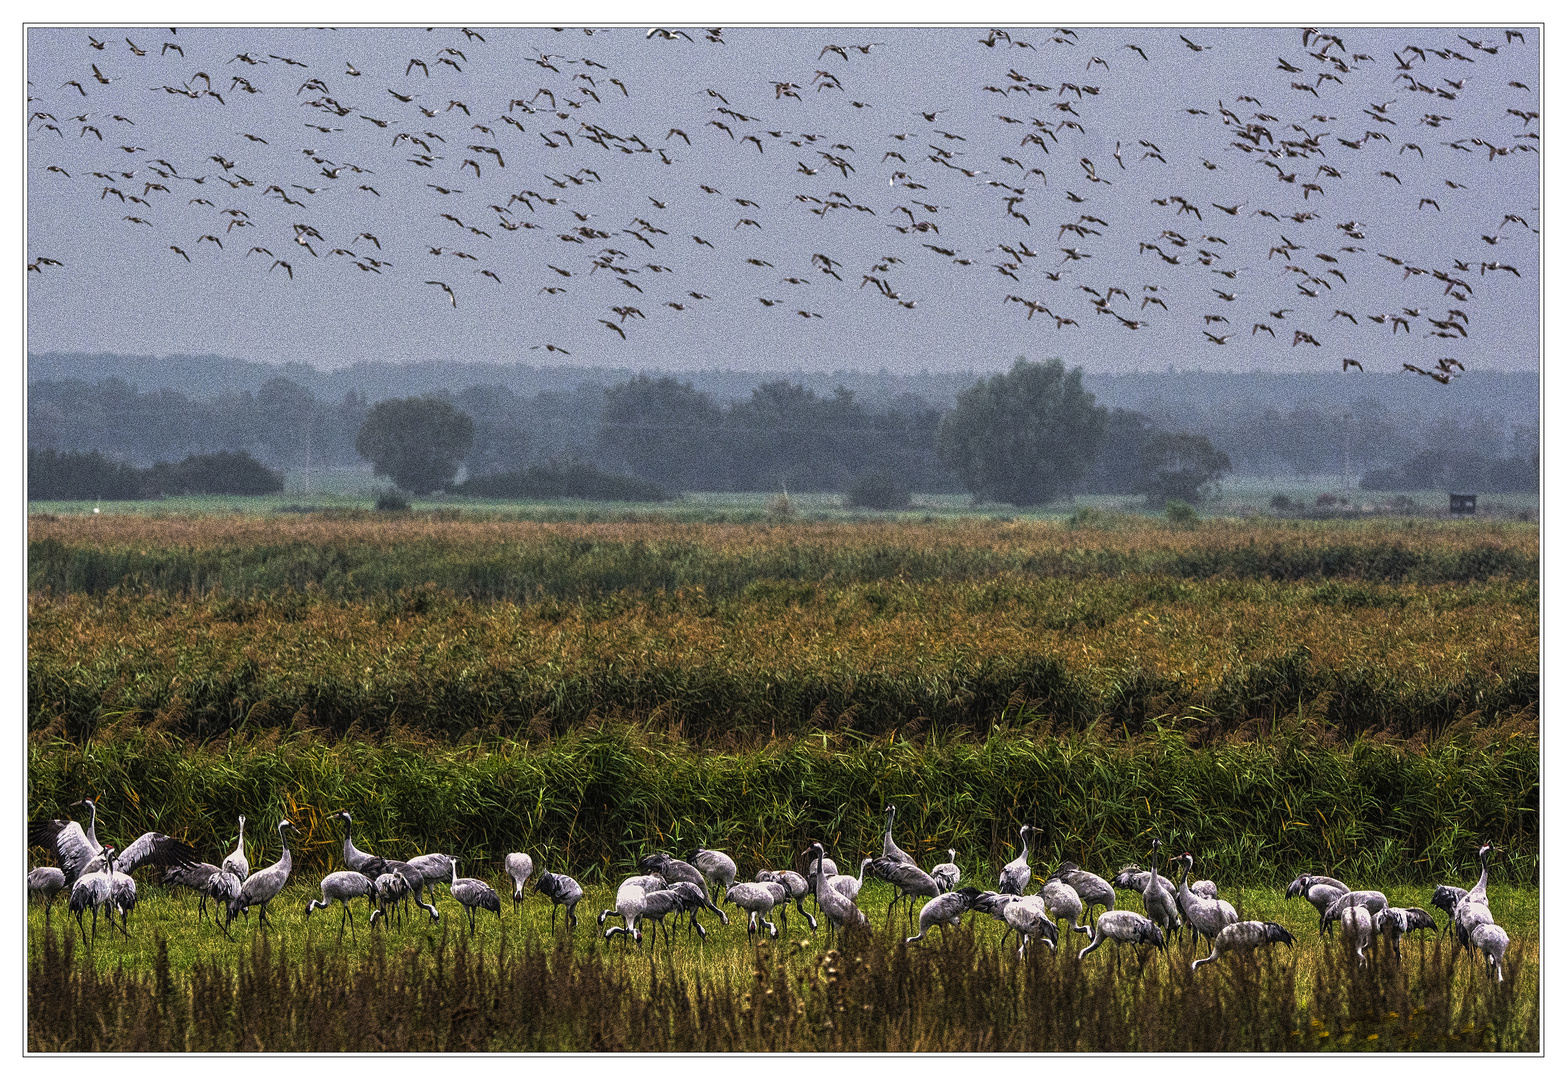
x: 1260, y: 809
x: 957, y: 994
x: 788, y: 657
x: 495, y: 560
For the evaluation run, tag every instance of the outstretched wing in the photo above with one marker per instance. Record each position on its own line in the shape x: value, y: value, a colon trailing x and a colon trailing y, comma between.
x: 69, y: 844
x: 154, y: 849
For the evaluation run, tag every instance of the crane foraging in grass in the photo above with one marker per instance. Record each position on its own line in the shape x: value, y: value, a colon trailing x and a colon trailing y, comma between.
x: 944, y: 910
x: 795, y: 885
x: 1395, y: 922
x: 839, y: 909
x: 1092, y: 889
x: 561, y: 890
x: 717, y: 869
x: 946, y: 875
x: 342, y: 886
x: 1245, y: 935
x: 519, y: 867
x: 1124, y: 928
x: 373, y: 866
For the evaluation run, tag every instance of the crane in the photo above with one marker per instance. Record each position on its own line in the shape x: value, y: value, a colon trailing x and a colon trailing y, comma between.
x: 909, y: 880
x: 947, y: 874
x: 472, y: 894
x: 79, y: 852
x: 1492, y: 941
x: 519, y: 867
x: 1157, y: 900
x: 373, y: 866
x: 1124, y: 928
x: 839, y: 909
x: 561, y: 890
x: 944, y: 910
x: 389, y: 888
x: 47, y: 882
x: 1135, y: 879
x: 1395, y: 922
x: 717, y: 869
x: 1358, y: 924
x: 262, y: 887
x: 195, y: 877
x: 342, y: 886
x: 1474, y: 909
x: 435, y: 869
x: 798, y: 888
x: 1245, y: 935
x: 1319, y: 892
x: 1445, y: 898
x: 1369, y: 899
x: 1062, y: 902
x: 1030, y: 917
x: 235, y: 862
x: 1015, y: 875
x: 1207, y: 917
x: 94, y: 890
x: 890, y: 850
x: 670, y: 868
x: 1091, y: 888
x: 759, y: 898
x: 629, y: 898
x: 850, y: 885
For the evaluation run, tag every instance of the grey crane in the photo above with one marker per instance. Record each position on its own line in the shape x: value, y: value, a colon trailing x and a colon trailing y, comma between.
x: 1303, y: 884
x: 47, y: 882
x: 758, y: 898
x: 342, y: 886
x: 235, y: 862
x: 389, y: 888
x: 519, y: 867
x: 1207, y: 917
x: 1492, y: 941
x: 908, y: 879
x: 1245, y: 935
x: 839, y: 909
x: 1134, y: 878
x: 78, y: 851
x: 1124, y: 928
x: 1474, y: 909
x: 195, y: 877
x: 1319, y: 892
x: 850, y: 885
x: 994, y: 904
x: 1358, y: 924
x: 473, y: 894
x: 947, y: 874
x: 1015, y: 875
x: 630, y: 891
x: 1369, y: 899
x: 1062, y: 902
x: 890, y: 850
x: 435, y: 869
x: 944, y: 910
x: 693, y: 899
x: 1445, y: 899
x: 1395, y: 922
x: 798, y: 888
x: 670, y: 868
x: 805, y: 864
x: 1094, y: 890
x: 1030, y: 918
x: 94, y: 890
x: 1157, y: 900
x: 717, y: 869
x: 262, y: 887
x: 561, y: 890
x: 373, y: 866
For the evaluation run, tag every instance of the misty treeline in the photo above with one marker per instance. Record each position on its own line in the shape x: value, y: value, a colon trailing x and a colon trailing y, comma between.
x: 784, y: 435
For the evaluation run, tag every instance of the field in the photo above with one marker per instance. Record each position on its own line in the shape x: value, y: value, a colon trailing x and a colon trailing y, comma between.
x: 1353, y: 697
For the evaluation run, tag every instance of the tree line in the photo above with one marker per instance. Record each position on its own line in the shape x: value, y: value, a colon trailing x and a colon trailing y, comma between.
x: 1025, y: 436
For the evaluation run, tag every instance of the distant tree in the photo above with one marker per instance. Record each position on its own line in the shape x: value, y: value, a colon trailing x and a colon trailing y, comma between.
x: 223, y: 473
x: 419, y: 442
x: 1024, y: 437
x: 1180, y: 466
x: 662, y: 430
x: 877, y: 489
x: 1122, y: 465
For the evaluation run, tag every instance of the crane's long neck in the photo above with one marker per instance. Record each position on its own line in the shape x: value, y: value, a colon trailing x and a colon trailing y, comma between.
x: 1186, y: 873
x: 1153, y: 865
x: 287, y: 860
x: 1023, y: 836
x: 92, y: 826
x: 863, y: 864
x: 1485, y: 871
x: 892, y: 812
x: 454, y: 871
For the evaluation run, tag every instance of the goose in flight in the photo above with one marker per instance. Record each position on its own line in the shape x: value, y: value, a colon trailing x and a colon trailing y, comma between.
x: 447, y: 289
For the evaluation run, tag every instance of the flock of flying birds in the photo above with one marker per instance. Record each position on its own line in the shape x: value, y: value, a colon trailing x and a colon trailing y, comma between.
x: 409, y: 173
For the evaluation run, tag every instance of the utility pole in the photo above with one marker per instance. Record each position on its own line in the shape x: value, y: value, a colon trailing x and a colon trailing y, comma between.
x: 1347, y: 420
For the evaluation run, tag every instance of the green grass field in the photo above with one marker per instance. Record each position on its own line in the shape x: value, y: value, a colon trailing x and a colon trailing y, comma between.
x: 590, y: 682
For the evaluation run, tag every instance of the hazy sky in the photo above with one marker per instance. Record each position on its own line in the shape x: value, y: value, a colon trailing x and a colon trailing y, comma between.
x: 826, y: 173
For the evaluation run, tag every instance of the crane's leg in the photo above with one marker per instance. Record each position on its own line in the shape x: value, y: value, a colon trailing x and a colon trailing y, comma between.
x: 553, y: 912
x: 79, y: 925
x: 772, y: 928
x: 783, y: 916
x: 572, y: 911
x: 799, y: 902
x: 700, y: 929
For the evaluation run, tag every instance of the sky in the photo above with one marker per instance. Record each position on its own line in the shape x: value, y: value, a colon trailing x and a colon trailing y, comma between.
x: 569, y: 180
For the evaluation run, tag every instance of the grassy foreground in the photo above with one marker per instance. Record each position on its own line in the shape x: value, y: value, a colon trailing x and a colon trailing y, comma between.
x: 177, y: 985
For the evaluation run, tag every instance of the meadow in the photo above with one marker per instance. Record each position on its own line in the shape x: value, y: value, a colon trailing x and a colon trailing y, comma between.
x: 1353, y: 697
